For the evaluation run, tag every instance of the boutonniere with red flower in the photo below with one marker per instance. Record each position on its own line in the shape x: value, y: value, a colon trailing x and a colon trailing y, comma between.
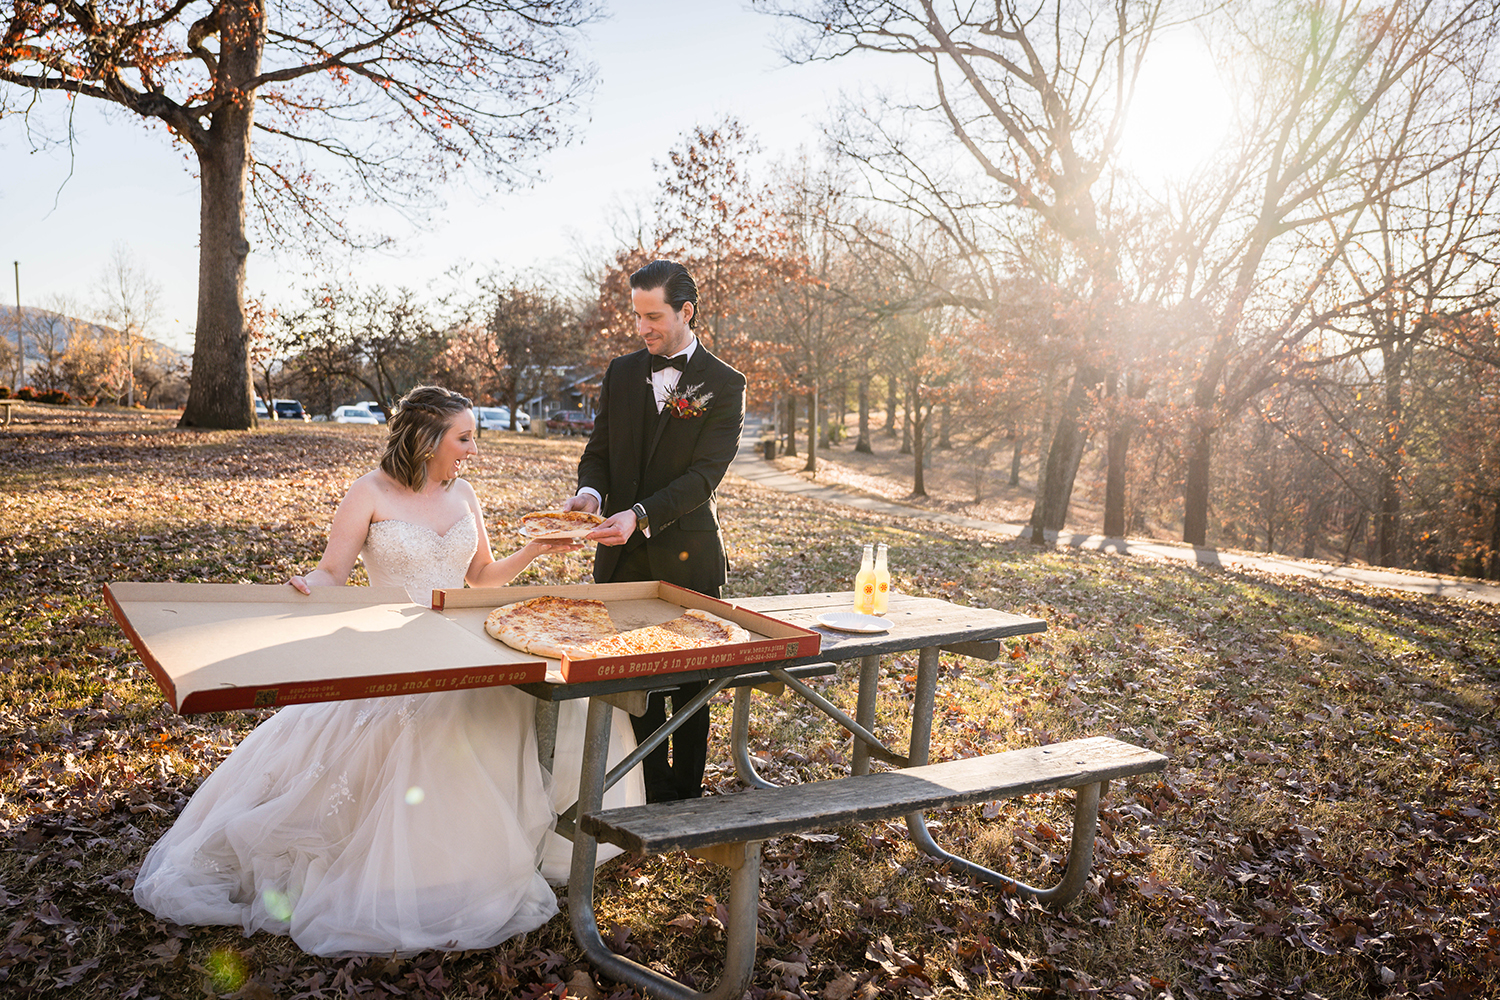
x: 685, y: 404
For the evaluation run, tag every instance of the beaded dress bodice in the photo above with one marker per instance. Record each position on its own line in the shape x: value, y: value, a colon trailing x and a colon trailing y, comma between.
x: 402, y: 554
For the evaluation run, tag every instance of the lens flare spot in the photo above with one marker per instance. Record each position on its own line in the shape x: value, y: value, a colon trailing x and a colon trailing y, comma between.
x: 682, y: 557
x: 227, y: 969
x: 415, y: 795
x: 277, y: 904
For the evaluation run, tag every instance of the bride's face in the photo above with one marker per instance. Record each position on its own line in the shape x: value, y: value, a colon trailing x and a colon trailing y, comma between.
x: 456, y: 445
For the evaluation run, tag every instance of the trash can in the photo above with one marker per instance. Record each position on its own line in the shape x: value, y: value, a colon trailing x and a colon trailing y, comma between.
x: 768, y: 448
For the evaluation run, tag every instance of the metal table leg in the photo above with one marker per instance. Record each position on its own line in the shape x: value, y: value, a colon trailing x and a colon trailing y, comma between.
x: 866, y: 745
x: 1085, y: 807
x: 546, y: 732
x: 739, y: 740
x: 744, y: 893
x: 864, y: 712
x: 566, y: 818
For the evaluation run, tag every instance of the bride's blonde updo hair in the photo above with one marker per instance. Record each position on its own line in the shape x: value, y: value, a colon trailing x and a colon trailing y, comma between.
x: 418, y: 425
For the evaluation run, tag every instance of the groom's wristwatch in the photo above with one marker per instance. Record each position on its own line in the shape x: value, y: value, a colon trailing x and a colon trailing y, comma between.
x: 642, y: 522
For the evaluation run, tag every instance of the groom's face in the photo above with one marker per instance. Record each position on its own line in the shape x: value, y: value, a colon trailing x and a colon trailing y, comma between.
x: 664, y: 329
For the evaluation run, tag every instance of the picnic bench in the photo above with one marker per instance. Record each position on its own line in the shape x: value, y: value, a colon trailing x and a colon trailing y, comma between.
x: 729, y: 830
x: 7, y: 404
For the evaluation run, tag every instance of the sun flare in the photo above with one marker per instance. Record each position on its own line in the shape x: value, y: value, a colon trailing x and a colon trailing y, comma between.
x: 1179, y: 113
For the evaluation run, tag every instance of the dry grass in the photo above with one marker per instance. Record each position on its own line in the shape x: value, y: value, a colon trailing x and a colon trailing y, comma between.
x: 1325, y: 828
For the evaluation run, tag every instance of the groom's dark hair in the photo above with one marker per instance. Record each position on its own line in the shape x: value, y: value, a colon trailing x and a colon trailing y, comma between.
x: 673, y: 279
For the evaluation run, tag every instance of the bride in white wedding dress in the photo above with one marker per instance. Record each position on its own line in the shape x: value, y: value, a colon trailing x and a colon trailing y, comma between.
x: 392, y: 824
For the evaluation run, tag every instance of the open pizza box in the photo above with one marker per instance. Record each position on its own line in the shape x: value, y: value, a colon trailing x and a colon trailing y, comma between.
x: 633, y: 605
x: 218, y: 647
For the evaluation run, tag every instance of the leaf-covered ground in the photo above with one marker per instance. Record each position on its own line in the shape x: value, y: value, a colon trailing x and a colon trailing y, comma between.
x: 1325, y: 827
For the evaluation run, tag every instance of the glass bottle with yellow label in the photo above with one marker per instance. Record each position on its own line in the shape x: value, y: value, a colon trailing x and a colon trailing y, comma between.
x: 882, y: 581
x: 864, y: 584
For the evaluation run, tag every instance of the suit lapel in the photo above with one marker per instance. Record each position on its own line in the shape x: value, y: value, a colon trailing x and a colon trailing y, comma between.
x: 638, y: 398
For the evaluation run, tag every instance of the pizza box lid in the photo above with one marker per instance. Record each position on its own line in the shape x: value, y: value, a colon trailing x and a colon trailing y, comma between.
x: 633, y: 605
x: 217, y: 647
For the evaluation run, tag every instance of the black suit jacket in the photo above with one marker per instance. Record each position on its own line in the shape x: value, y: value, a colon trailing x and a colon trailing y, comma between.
x: 671, y: 466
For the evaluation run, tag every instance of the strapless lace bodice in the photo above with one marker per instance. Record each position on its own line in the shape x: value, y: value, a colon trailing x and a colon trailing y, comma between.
x: 402, y: 554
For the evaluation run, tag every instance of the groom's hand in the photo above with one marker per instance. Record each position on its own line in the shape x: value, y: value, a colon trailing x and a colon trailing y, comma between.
x: 616, y: 530
x: 586, y: 502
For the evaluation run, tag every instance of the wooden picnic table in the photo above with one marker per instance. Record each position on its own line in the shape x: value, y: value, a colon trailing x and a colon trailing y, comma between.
x: 927, y: 625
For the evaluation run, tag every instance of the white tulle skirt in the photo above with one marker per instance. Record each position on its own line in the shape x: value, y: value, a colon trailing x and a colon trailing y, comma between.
x: 369, y: 827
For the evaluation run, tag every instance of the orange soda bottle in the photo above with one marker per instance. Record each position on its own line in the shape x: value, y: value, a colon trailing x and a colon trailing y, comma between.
x: 864, y: 584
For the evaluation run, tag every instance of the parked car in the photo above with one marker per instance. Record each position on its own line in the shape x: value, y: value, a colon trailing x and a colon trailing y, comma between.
x: 571, y: 422
x: 497, y: 418
x: 288, y: 409
x: 353, y: 415
x: 262, y: 412
x: 373, y: 408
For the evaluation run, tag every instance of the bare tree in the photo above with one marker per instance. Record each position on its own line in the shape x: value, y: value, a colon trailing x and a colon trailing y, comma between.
x: 129, y: 303
x: 819, y: 313
x: 1323, y: 99
x: 1035, y: 96
x: 344, y: 337
x: 383, y: 96
x: 516, y: 337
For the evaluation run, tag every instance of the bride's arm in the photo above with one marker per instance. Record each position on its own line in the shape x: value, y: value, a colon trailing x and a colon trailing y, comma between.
x: 486, y: 570
x: 346, y: 536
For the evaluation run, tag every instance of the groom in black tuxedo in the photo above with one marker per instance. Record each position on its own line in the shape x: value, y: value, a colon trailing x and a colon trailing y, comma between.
x: 668, y: 426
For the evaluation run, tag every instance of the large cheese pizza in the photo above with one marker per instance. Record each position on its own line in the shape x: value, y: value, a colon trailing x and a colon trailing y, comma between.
x: 582, y: 629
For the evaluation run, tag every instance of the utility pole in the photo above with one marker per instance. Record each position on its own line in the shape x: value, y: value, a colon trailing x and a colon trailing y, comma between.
x: 20, y: 344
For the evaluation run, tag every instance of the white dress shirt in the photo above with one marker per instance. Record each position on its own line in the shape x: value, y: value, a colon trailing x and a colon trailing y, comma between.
x: 664, y: 381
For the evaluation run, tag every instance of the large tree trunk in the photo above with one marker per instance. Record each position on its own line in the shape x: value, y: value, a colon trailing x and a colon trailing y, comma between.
x: 1118, y: 456
x: 863, y: 444
x: 791, y: 424
x: 1195, y: 489
x: 1388, y: 514
x: 812, y: 431
x: 918, y: 421
x: 890, y: 406
x: 1494, y: 561
x: 1060, y: 468
x: 220, y: 394
x: 1114, y: 481
x: 908, y: 398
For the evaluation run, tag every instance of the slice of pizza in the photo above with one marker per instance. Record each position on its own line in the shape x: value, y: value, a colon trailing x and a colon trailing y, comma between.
x: 545, y: 626
x: 558, y: 524
x: 708, y: 629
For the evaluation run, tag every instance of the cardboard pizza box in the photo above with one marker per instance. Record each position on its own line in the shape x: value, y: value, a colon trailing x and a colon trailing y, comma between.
x: 633, y: 605
x: 218, y: 647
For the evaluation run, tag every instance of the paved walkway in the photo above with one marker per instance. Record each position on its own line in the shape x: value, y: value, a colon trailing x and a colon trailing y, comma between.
x: 752, y: 467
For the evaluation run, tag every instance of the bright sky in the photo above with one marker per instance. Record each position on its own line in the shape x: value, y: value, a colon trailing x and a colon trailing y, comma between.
x: 664, y: 67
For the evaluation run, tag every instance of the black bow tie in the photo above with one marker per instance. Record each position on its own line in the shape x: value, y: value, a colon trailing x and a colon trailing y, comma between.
x: 658, y: 363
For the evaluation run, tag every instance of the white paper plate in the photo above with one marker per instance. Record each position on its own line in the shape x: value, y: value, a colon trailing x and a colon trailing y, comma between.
x: 849, y: 621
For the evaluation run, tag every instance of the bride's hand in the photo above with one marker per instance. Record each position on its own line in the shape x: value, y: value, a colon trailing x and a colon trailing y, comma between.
x: 299, y: 584
x: 539, y: 548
